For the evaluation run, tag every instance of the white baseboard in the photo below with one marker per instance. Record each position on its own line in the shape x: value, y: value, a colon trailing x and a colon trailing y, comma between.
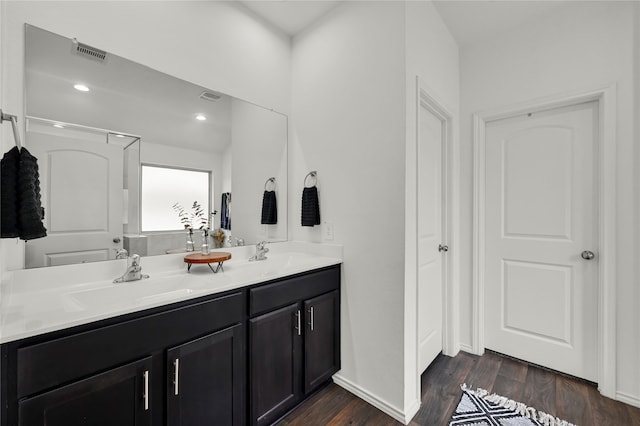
x: 380, y: 404
x: 466, y: 348
x: 628, y: 399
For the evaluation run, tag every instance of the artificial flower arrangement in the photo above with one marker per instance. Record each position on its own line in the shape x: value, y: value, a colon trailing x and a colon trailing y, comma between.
x: 191, y: 219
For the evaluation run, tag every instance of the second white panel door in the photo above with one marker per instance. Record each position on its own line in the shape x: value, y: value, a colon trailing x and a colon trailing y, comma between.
x: 540, y: 220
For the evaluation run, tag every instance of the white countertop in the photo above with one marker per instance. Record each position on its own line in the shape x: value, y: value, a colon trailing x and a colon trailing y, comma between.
x: 42, y: 300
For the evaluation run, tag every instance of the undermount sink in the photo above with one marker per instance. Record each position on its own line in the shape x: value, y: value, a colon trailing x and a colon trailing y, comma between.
x: 142, y: 292
x: 274, y: 264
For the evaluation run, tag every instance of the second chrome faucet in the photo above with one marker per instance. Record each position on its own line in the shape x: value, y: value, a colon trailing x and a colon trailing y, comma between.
x: 261, y: 252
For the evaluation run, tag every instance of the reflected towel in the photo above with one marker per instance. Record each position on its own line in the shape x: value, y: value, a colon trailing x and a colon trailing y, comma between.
x: 225, y: 214
x: 310, y: 207
x: 269, y: 208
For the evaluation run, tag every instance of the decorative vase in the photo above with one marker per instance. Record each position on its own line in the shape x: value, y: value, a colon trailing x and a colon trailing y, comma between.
x: 205, y: 241
x: 190, y: 246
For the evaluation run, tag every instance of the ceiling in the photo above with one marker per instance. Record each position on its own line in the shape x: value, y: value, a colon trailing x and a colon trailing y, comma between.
x: 291, y: 16
x: 467, y: 20
x: 470, y: 20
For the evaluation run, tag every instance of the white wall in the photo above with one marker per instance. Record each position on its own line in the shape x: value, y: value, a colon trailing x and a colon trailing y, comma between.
x: 578, y: 47
x: 220, y: 45
x: 354, y: 106
x: 348, y: 107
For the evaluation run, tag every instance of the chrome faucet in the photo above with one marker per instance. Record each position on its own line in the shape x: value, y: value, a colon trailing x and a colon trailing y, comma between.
x: 121, y: 253
x: 261, y: 251
x: 133, y: 272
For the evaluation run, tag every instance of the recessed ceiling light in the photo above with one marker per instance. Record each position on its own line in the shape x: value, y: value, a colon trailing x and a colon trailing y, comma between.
x: 201, y: 117
x: 58, y: 125
x: 81, y: 87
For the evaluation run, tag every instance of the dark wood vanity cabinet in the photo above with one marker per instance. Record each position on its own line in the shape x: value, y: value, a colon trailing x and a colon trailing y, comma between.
x: 183, y: 364
x: 294, y: 341
x: 121, y: 371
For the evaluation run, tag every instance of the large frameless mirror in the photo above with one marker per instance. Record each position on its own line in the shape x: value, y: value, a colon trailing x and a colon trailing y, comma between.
x: 130, y: 156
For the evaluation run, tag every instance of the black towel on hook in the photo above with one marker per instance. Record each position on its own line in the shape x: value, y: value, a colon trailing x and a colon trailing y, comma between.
x: 225, y: 211
x: 30, y: 211
x: 310, y: 207
x: 9, y: 193
x: 269, y: 208
x: 21, y: 210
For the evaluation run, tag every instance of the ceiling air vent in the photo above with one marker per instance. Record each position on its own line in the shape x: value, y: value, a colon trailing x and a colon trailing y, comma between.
x: 210, y: 96
x: 89, y: 51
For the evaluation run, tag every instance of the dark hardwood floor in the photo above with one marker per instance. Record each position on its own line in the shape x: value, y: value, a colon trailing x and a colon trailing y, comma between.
x: 567, y: 398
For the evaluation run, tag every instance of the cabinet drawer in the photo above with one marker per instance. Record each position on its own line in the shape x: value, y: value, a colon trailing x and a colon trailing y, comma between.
x: 50, y: 364
x: 271, y: 296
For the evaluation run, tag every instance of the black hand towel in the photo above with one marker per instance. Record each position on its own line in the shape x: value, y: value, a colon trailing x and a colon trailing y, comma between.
x: 9, y: 193
x: 21, y: 208
x: 310, y: 207
x: 269, y: 208
x: 30, y: 212
x: 225, y: 213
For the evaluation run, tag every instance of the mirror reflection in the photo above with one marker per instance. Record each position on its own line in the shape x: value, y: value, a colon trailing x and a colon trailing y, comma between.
x: 126, y: 153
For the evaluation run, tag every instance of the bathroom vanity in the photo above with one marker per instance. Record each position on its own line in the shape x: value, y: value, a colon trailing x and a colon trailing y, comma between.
x: 240, y: 347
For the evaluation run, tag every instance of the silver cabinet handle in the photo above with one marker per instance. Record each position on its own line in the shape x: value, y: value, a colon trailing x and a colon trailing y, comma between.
x: 298, y: 327
x: 176, y: 368
x: 145, y: 395
x: 311, y: 318
x: 587, y: 255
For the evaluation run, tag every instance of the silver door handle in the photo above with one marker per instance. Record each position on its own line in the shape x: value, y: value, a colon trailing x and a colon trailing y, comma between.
x: 311, y: 318
x: 176, y: 367
x: 298, y: 325
x: 116, y: 240
x: 145, y: 395
x: 587, y: 255
x: 443, y: 248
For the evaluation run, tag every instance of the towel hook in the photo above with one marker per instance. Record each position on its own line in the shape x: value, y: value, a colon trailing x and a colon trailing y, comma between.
x: 14, y: 125
x: 314, y: 175
x: 272, y: 180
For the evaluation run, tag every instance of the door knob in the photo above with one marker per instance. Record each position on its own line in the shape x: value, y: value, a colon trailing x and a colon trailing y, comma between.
x: 587, y: 255
x: 116, y: 240
x: 443, y: 248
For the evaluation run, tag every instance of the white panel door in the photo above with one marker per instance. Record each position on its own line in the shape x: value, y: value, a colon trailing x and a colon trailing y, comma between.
x: 430, y: 231
x: 541, y: 214
x: 81, y: 185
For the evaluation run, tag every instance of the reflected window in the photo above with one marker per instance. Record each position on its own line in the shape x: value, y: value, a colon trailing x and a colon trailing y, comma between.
x: 163, y: 187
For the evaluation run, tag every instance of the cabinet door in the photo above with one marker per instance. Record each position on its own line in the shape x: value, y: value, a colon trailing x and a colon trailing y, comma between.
x: 116, y: 397
x: 276, y: 355
x: 321, y: 339
x: 206, y: 380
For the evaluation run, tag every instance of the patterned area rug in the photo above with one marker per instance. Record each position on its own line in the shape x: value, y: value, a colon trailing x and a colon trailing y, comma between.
x: 479, y: 408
